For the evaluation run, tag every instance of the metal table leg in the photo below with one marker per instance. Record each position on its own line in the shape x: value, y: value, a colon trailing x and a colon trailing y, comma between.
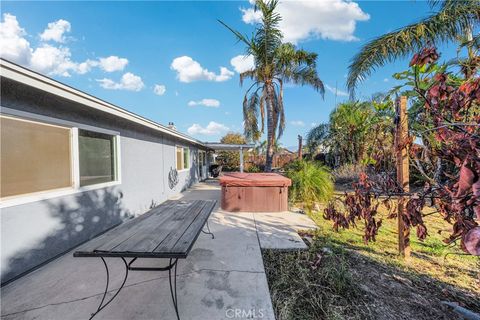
x: 128, y: 266
x: 101, y: 306
x: 173, y: 290
x: 173, y: 286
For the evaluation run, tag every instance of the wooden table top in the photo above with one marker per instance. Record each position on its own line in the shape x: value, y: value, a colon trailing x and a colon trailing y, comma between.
x: 166, y: 231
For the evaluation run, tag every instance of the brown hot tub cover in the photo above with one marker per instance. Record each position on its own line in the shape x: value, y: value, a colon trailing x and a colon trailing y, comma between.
x: 238, y: 179
x: 254, y: 192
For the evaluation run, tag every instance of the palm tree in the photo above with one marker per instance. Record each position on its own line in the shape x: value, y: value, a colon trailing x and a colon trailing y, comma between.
x: 275, y: 64
x: 452, y: 21
x: 317, y: 137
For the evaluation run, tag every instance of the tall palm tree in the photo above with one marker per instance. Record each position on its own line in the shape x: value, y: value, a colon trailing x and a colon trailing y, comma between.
x: 452, y: 20
x: 276, y: 63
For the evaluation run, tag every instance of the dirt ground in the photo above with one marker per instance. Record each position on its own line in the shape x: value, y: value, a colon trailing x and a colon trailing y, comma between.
x: 391, y: 293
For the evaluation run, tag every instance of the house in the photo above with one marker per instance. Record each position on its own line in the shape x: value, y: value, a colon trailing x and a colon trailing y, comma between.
x: 73, y: 166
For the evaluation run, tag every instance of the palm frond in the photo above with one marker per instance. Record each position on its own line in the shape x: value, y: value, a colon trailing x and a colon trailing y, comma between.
x: 238, y: 35
x: 446, y: 25
x: 250, y: 116
x: 317, y: 136
x: 281, y: 111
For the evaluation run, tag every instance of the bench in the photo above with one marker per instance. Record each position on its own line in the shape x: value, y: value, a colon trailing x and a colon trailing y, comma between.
x: 166, y: 231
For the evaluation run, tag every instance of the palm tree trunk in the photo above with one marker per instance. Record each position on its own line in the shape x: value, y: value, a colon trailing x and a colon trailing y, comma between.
x: 270, y: 132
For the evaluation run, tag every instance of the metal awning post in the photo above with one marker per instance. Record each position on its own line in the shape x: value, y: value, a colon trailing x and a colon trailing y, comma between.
x: 241, y: 159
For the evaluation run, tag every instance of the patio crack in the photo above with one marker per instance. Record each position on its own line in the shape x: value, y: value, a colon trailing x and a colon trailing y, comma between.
x: 127, y: 286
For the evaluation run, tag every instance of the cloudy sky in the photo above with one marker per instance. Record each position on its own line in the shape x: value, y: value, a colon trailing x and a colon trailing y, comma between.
x: 173, y: 61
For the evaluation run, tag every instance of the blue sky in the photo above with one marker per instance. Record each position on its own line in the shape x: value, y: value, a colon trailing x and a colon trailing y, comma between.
x: 181, y: 47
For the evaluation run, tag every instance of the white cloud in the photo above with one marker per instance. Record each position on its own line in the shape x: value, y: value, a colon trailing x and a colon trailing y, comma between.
x: 159, y: 89
x: 86, y: 66
x: 213, y: 103
x: 189, y: 70
x: 46, y: 58
x: 14, y: 46
x: 297, y: 123
x: 251, y: 16
x: 129, y: 82
x: 385, y: 80
x: 336, y: 91
x: 213, y: 128
x: 55, y: 31
x: 113, y: 63
x: 55, y: 61
x: 301, y: 20
x: 242, y: 63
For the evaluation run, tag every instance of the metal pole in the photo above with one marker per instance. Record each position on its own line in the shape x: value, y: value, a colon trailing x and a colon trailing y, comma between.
x: 241, y: 159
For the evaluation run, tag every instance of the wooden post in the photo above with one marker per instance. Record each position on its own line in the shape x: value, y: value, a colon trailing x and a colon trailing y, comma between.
x: 300, y: 146
x: 402, y: 173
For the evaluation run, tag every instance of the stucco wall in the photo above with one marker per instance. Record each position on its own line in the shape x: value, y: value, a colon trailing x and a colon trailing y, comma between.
x: 35, y: 232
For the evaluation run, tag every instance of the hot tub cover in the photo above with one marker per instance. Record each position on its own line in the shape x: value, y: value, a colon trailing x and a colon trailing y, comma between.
x: 238, y: 179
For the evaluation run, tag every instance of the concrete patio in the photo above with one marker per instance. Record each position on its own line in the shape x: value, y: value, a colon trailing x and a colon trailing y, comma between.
x: 221, y: 278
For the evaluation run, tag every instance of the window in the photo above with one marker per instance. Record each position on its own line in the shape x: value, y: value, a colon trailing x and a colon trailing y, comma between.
x: 96, y: 157
x: 182, y: 158
x: 202, y: 158
x: 39, y: 157
x: 33, y: 157
x: 186, y: 158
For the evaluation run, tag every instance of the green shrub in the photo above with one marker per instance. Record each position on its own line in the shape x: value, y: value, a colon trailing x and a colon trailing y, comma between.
x: 311, y: 183
x: 253, y: 168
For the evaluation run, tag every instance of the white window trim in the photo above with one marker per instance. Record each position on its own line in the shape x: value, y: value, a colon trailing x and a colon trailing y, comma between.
x: 204, y: 157
x: 76, y: 188
x: 189, y: 158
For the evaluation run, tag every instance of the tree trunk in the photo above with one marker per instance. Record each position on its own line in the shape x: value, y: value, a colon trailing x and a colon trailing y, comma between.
x: 300, y: 146
x: 270, y: 131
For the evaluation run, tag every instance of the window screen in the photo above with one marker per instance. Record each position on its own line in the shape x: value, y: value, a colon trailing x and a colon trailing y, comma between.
x: 97, y: 157
x: 33, y: 157
x: 186, y: 158
x: 179, y: 158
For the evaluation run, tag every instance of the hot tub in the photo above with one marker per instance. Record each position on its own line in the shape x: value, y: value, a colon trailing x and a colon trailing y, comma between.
x: 254, y: 192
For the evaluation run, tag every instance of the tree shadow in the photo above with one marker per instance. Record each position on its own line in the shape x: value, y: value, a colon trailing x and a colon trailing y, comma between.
x: 81, y: 217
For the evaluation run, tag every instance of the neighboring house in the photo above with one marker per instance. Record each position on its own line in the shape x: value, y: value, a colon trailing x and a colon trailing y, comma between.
x: 73, y: 166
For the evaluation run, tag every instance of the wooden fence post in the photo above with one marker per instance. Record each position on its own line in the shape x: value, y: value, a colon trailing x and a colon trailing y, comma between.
x: 300, y: 146
x: 401, y: 133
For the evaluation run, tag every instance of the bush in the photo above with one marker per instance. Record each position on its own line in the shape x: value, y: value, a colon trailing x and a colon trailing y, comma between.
x: 253, y: 168
x: 230, y: 160
x: 347, y: 173
x: 311, y: 183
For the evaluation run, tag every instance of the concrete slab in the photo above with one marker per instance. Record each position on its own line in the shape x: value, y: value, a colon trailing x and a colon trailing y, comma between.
x: 221, y: 278
x: 279, y: 230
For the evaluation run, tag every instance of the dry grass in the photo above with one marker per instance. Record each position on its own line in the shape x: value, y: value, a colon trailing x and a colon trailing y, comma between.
x: 341, y: 277
x: 431, y: 257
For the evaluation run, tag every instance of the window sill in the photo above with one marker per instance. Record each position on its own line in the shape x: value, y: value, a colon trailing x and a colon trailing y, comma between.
x: 45, y: 195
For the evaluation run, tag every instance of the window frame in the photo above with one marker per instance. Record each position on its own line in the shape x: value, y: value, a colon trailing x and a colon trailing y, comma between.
x: 75, y: 159
x: 183, y: 155
x: 203, y: 157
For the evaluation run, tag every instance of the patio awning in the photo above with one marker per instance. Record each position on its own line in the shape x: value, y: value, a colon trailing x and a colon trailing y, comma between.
x: 231, y: 147
x: 228, y: 147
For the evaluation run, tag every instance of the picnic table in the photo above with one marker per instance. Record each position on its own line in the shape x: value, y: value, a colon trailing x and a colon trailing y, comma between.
x: 166, y: 231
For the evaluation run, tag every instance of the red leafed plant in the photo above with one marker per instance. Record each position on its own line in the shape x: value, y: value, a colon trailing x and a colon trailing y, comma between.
x: 446, y: 117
